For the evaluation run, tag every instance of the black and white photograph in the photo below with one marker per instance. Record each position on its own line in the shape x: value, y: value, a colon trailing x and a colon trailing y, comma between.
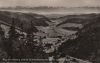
x: 49, y: 31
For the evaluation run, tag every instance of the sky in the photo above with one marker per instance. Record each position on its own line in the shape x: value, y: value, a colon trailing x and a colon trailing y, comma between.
x: 55, y: 3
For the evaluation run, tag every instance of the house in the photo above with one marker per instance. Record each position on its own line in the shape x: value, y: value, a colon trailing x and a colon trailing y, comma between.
x: 50, y: 40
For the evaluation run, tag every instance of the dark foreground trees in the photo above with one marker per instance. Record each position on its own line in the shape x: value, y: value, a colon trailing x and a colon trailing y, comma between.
x: 17, y: 45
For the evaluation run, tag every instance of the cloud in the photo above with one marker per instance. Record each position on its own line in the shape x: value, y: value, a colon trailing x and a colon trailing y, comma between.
x: 66, y: 3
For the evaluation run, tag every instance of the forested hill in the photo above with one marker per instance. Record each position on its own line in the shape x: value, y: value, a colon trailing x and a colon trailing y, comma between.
x: 86, y: 46
x: 23, y: 19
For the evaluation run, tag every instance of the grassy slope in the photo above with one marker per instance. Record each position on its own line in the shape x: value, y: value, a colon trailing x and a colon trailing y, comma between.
x: 77, y: 19
x: 82, y: 19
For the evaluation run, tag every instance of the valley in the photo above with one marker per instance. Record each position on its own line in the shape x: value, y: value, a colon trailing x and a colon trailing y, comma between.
x: 56, y: 35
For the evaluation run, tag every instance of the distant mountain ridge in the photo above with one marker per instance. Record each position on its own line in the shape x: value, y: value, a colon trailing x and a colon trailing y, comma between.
x: 40, y: 7
x: 54, y: 10
x: 48, y: 7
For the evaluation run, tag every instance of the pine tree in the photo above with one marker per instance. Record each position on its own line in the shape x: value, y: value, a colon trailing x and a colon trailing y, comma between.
x: 13, y: 37
x: 21, y: 26
x: 30, y: 40
x: 1, y: 31
x: 12, y: 32
x: 2, y: 44
x: 2, y: 37
x: 37, y: 51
